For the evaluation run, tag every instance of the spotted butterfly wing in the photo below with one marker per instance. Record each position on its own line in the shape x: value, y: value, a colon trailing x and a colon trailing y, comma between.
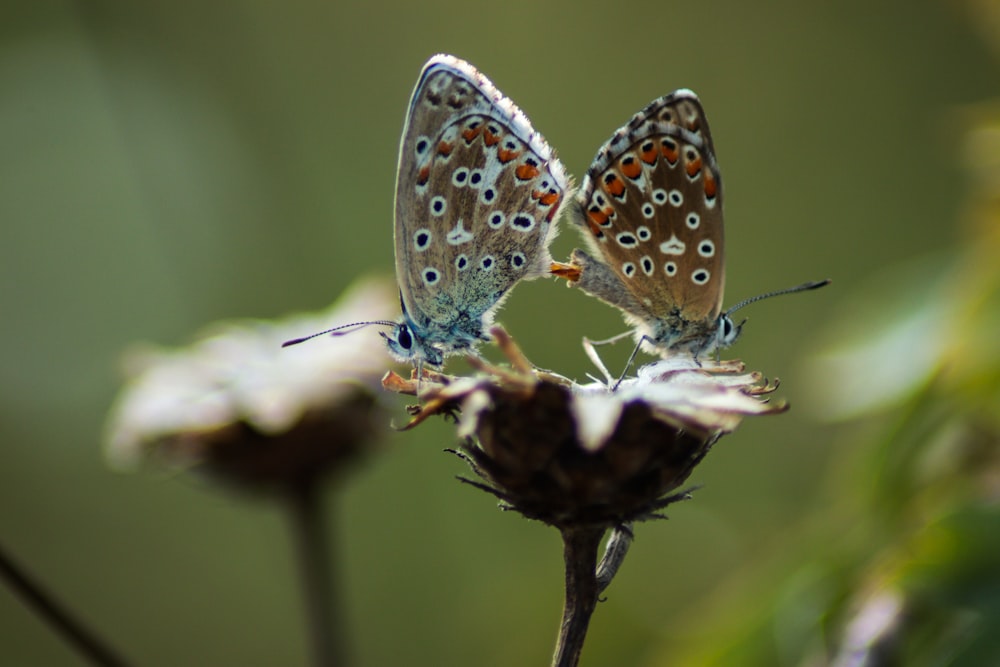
x: 477, y: 195
x: 651, y: 210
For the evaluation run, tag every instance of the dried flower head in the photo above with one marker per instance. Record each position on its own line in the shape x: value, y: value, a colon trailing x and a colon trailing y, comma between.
x: 236, y: 404
x: 570, y: 454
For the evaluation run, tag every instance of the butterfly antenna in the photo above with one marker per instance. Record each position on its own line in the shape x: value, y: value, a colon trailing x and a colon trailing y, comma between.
x: 790, y: 290
x: 296, y: 341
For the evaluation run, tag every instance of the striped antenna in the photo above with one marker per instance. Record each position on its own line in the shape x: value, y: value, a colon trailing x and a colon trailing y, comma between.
x: 338, y: 331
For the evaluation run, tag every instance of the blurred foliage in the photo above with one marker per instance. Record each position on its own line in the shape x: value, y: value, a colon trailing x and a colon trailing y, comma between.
x: 162, y: 168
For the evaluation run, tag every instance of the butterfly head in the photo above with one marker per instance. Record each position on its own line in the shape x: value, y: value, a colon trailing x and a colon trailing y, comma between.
x: 727, y: 332
x: 675, y: 334
x: 408, y: 348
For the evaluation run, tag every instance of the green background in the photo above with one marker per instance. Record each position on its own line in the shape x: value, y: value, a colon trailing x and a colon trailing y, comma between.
x: 164, y: 165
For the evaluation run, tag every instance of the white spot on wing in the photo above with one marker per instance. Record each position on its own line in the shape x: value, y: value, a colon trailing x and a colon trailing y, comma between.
x: 421, y: 145
x: 430, y: 275
x: 626, y: 239
x: 522, y: 222
x: 438, y: 206
x: 422, y: 239
x: 496, y: 219
x: 673, y: 247
x: 460, y: 177
x: 458, y: 235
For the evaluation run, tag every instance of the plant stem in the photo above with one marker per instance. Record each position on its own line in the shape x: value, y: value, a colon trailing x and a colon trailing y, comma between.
x: 59, y: 619
x: 580, y: 546
x: 309, y: 525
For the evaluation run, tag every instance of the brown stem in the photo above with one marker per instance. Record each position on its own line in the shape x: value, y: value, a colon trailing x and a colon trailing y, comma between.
x: 72, y: 630
x: 582, y: 589
x: 326, y: 630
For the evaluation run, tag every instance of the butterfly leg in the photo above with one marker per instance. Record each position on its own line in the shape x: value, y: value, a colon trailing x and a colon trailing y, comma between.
x: 420, y: 375
x: 631, y: 359
x: 613, y: 339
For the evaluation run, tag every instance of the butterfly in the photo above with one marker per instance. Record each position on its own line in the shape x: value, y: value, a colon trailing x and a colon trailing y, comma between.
x: 478, y: 194
x: 650, y: 208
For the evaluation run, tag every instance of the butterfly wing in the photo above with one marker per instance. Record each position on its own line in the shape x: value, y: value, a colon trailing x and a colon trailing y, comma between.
x: 652, y: 206
x: 477, y: 194
x: 681, y: 108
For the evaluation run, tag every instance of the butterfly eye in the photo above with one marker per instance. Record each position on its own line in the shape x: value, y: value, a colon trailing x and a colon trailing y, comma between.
x: 728, y: 331
x: 404, y: 339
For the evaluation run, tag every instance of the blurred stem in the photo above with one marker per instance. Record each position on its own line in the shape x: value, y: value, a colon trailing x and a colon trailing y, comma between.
x: 324, y: 616
x: 82, y: 639
x: 580, y: 546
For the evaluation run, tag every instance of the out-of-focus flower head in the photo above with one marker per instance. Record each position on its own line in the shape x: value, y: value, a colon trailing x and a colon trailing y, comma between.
x: 238, y: 405
x: 570, y: 454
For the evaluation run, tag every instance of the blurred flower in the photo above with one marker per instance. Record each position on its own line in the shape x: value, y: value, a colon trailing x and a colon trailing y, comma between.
x: 236, y: 404
x: 570, y: 454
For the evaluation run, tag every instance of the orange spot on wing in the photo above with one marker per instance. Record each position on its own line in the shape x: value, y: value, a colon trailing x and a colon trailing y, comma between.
x: 649, y: 157
x: 505, y: 155
x: 567, y: 271
x: 608, y: 211
x: 470, y: 134
x: 445, y: 149
x: 546, y: 198
x: 711, y: 185
x: 489, y: 138
x: 670, y: 152
x: 423, y: 175
x: 526, y: 172
x: 598, y: 217
x: 615, y: 186
x: 631, y: 168
x: 693, y: 167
